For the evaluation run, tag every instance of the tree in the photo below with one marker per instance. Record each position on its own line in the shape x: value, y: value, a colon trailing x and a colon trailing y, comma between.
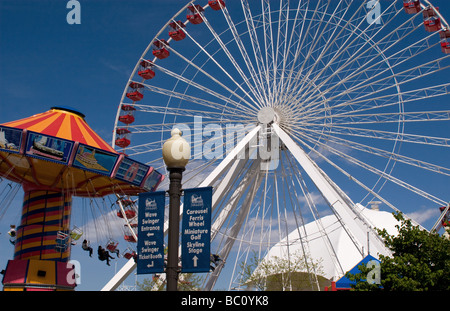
x: 282, y: 273
x: 420, y: 261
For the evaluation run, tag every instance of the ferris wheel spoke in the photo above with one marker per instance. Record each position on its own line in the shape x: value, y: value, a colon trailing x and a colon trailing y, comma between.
x: 404, y: 77
x: 243, y: 51
x: 254, y: 89
x: 386, y: 154
x: 196, y: 99
x: 359, y: 56
x: 386, y: 135
x: 376, y: 171
x: 380, y: 118
x: 383, y: 84
x: 201, y: 87
x: 316, y: 218
x: 254, y: 103
x: 304, y: 87
x: 317, y: 33
x: 361, y: 104
x: 360, y: 53
x: 185, y: 112
x: 354, y: 179
x: 209, y: 76
x: 250, y: 22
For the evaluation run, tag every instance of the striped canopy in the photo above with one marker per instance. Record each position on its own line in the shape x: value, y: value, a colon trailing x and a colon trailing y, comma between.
x: 65, y: 123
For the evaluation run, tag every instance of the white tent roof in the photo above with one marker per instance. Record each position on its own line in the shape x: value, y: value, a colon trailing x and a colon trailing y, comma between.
x: 344, y: 248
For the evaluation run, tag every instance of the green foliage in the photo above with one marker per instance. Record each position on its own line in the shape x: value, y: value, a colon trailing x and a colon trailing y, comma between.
x: 420, y: 261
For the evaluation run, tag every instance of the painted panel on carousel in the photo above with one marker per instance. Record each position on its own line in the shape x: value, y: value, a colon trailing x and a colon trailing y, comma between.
x: 153, y: 180
x: 95, y: 160
x: 10, y: 139
x: 132, y: 171
x: 48, y: 147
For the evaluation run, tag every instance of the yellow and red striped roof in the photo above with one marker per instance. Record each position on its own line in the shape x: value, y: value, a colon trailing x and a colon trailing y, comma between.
x: 63, y: 123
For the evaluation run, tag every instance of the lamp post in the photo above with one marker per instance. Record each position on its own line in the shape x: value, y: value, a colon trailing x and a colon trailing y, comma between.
x: 176, y: 154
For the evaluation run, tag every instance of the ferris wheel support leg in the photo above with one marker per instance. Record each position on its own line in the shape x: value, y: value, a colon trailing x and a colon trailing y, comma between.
x: 356, y: 227
x: 120, y: 276
x: 252, y: 180
x: 230, y: 158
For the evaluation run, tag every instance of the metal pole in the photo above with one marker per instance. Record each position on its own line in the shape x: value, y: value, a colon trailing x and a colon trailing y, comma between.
x: 175, y: 176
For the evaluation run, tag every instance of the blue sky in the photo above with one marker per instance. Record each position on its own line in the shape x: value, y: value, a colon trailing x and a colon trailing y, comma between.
x: 46, y: 62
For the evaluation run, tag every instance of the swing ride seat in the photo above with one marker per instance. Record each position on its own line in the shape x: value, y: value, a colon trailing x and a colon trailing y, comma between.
x: 129, y: 214
x: 62, y: 240
x: 129, y: 253
x: 112, y: 245
x: 129, y: 238
x: 76, y: 233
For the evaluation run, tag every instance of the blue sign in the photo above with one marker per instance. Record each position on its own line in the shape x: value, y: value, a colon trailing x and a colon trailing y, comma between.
x: 150, y: 244
x: 196, y: 230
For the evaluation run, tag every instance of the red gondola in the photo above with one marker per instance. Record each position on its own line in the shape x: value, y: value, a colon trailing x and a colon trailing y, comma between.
x: 122, y: 142
x: 126, y: 119
x: 129, y: 238
x: 216, y: 5
x: 129, y: 254
x: 445, y: 41
x: 128, y: 108
x: 446, y: 220
x: 159, y: 49
x: 134, y: 93
x: 431, y: 20
x: 177, y: 32
x: 411, y: 6
x: 126, y: 202
x: 146, y: 70
x: 128, y: 214
x: 195, y: 16
x: 122, y: 131
x: 112, y: 245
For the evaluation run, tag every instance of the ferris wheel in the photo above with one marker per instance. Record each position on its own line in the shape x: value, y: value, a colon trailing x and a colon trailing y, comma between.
x: 296, y: 110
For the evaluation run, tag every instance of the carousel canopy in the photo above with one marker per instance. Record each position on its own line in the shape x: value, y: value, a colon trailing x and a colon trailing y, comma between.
x: 57, y: 150
x: 62, y: 122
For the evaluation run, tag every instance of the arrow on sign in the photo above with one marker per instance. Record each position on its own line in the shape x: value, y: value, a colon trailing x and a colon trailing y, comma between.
x: 150, y: 234
x: 195, y: 259
x: 151, y: 265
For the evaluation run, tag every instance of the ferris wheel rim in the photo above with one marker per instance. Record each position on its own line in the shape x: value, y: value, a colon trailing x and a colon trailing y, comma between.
x: 400, y: 115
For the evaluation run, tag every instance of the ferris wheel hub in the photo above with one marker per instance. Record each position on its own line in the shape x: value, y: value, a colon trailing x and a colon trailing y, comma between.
x: 267, y: 115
